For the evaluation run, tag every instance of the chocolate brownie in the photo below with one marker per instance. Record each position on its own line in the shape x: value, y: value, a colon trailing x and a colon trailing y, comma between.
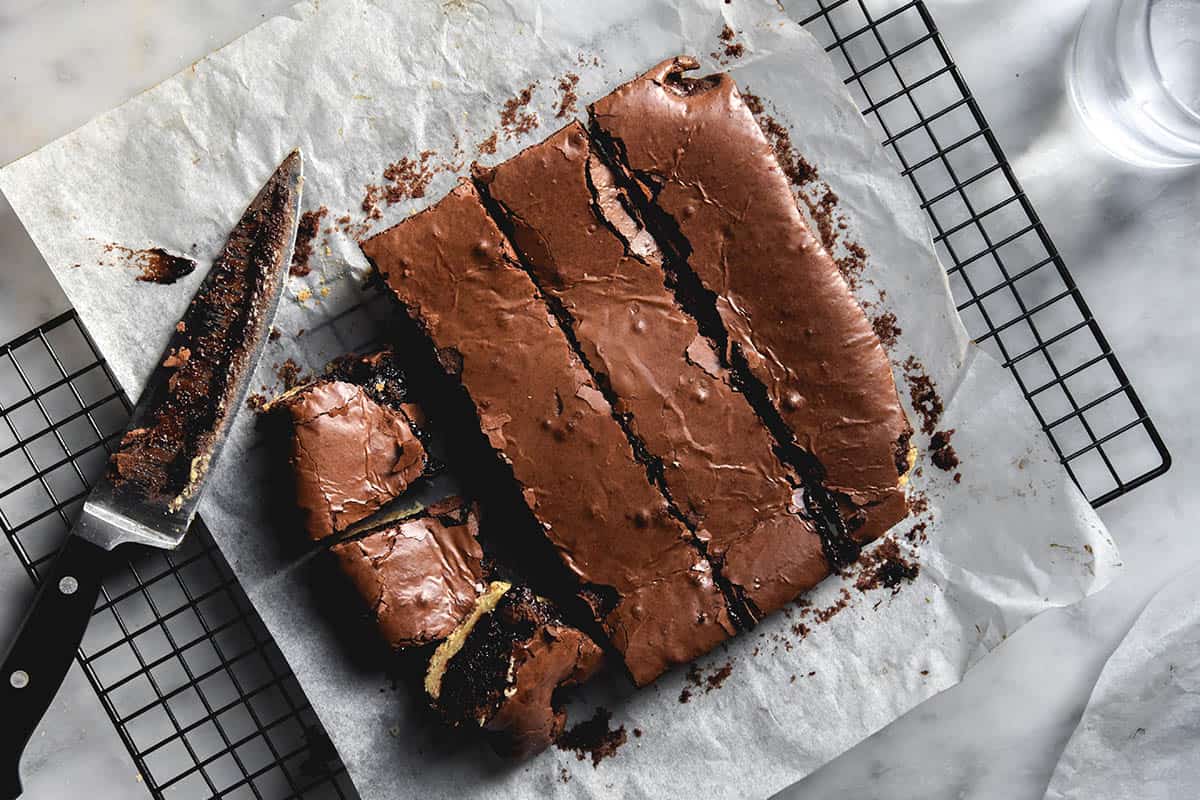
x: 350, y: 455
x: 502, y: 668
x: 709, y: 183
x: 575, y: 233
x: 571, y: 464
x: 420, y: 576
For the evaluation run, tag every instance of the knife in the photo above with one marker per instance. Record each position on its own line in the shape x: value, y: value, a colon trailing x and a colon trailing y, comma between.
x: 155, y: 477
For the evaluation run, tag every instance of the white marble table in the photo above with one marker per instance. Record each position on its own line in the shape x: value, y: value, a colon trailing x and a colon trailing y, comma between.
x: 1129, y: 237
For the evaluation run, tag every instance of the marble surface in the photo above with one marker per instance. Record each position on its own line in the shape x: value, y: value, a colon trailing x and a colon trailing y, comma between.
x: 1128, y: 235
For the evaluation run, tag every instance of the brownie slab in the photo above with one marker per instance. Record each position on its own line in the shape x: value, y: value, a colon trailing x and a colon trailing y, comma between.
x: 713, y: 187
x: 458, y: 279
x: 350, y: 455
x: 575, y: 233
x: 502, y: 668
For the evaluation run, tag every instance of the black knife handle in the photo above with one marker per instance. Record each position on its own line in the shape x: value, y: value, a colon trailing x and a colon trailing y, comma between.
x: 38, y: 660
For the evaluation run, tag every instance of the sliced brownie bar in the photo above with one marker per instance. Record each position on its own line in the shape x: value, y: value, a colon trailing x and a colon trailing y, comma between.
x: 421, y: 576
x: 576, y: 235
x: 709, y: 183
x: 574, y: 469
x: 350, y: 454
x: 502, y: 668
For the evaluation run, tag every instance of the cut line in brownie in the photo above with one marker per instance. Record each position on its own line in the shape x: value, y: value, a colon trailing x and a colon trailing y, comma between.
x: 712, y: 192
x: 575, y: 233
x: 570, y: 464
x: 354, y: 447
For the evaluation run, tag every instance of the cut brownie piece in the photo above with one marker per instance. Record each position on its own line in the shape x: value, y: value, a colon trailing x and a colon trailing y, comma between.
x: 576, y: 472
x: 421, y: 576
x: 502, y: 668
x: 573, y: 229
x: 711, y: 185
x: 350, y: 454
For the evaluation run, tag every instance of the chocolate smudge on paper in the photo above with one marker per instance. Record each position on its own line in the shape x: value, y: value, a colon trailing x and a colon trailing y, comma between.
x: 155, y: 264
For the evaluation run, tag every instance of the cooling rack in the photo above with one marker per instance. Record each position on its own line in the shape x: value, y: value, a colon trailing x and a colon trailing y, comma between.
x: 198, y: 692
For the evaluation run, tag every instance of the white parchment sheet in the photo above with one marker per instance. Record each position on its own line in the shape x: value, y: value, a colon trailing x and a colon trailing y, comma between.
x: 1138, y: 734
x: 360, y: 84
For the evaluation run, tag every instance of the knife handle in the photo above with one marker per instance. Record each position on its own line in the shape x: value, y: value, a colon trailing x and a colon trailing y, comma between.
x: 35, y: 665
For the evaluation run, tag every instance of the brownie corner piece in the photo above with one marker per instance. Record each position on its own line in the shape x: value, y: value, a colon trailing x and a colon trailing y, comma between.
x: 503, y: 668
x: 350, y: 455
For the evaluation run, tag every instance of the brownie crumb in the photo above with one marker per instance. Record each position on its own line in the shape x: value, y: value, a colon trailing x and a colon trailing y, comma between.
x: 637, y: 733
x: 799, y: 171
x: 564, y: 776
x: 306, y: 232
x: 274, y: 334
x: 917, y: 533
x: 685, y: 696
x: 515, y: 118
x: 155, y: 264
x: 406, y: 179
x: 488, y: 145
x: 853, y: 263
x: 884, y: 566
x: 731, y: 49
x: 941, y: 452
x: 256, y: 401
x: 886, y: 329
x: 716, y: 679
x: 568, y: 99
x: 288, y: 374
x: 958, y: 477
x: 924, y: 395
x: 593, y: 738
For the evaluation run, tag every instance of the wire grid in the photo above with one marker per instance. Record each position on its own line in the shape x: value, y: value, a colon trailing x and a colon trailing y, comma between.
x: 197, y: 690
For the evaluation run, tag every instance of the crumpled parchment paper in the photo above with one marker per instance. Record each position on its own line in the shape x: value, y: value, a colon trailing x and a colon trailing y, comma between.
x: 358, y: 84
x: 1138, y: 734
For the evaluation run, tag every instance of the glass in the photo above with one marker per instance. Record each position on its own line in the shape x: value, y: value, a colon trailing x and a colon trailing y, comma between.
x: 1134, y: 78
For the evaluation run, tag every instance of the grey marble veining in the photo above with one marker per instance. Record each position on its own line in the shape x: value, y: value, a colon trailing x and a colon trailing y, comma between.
x: 1129, y: 237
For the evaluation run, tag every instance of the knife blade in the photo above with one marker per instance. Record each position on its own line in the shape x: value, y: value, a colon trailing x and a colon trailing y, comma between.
x: 156, y: 476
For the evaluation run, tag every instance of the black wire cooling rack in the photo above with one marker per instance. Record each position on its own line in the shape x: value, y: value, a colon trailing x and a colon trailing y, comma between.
x: 197, y: 690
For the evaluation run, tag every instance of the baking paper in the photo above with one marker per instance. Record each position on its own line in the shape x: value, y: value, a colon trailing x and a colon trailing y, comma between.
x: 358, y: 85
x: 1138, y: 734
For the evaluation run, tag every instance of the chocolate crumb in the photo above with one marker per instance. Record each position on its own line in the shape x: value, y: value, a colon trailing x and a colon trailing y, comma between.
x: 564, y: 776
x: 566, y: 103
x: 886, y: 329
x: 884, y: 566
x: 924, y: 395
x: 514, y: 118
x: 716, y: 679
x: 256, y: 401
x: 685, y: 696
x: 488, y: 145
x: 637, y: 732
x: 274, y: 334
x: 306, y: 232
x: 924, y: 672
x: 289, y: 374
x: 958, y: 477
x: 726, y: 34
x: 593, y: 737
x: 941, y: 452
x: 792, y: 679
